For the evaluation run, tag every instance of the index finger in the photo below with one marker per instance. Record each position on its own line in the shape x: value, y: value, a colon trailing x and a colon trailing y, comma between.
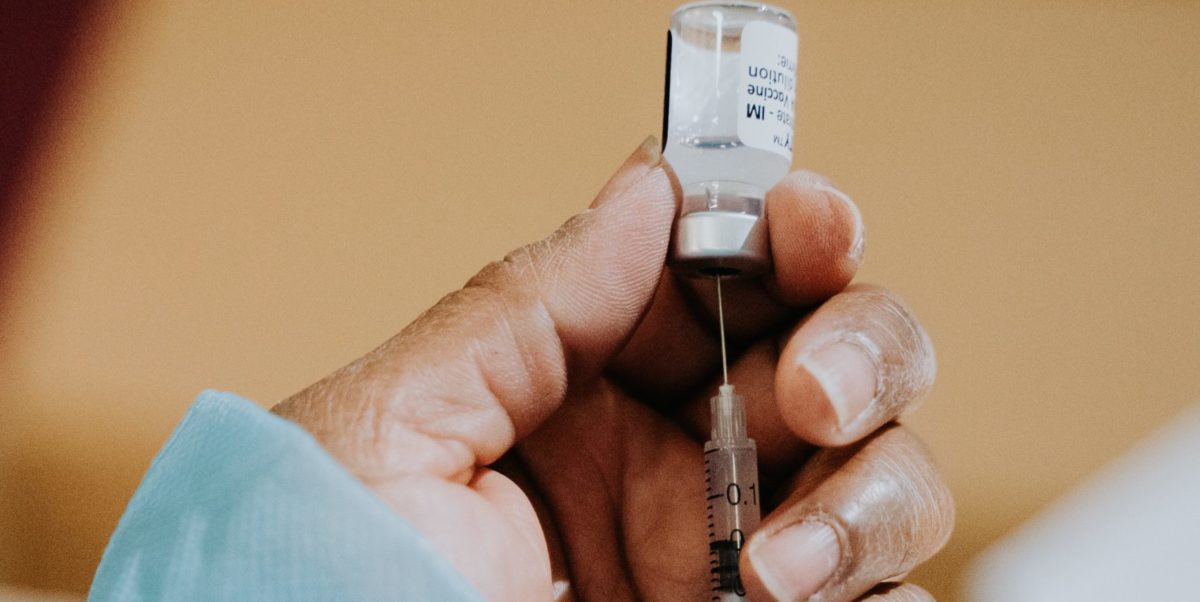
x: 816, y: 235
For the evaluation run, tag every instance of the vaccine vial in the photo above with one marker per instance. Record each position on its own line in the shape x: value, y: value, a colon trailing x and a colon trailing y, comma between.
x: 727, y: 130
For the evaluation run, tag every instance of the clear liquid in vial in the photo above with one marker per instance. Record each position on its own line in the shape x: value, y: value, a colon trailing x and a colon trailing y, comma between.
x: 717, y: 171
x: 722, y: 174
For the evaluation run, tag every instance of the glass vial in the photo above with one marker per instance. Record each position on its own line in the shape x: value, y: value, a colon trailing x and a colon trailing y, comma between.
x: 727, y: 129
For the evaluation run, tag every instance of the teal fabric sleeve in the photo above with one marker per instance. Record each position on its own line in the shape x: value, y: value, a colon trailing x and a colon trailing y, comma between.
x: 243, y: 505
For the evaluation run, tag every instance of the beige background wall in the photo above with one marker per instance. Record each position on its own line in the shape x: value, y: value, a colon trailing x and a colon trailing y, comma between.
x: 247, y: 195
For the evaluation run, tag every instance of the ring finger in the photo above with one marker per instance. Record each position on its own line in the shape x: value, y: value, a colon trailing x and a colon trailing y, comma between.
x: 855, y: 516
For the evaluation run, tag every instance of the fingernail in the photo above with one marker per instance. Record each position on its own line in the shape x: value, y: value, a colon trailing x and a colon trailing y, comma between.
x: 646, y: 156
x: 796, y: 562
x: 858, y: 240
x: 847, y: 376
x: 652, y: 148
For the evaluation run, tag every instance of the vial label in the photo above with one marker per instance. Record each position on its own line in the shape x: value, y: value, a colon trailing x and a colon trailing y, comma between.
x: 766, y: 97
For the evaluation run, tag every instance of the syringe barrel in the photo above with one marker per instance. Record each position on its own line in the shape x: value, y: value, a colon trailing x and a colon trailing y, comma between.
x: 734, y: 509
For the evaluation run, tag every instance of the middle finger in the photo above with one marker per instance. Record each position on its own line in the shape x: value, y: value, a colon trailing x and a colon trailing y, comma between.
x: 856, y: 363
x: 855, y: 516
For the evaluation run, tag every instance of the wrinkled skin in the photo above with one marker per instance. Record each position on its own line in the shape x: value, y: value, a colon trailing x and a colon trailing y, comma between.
x: 542, y: 426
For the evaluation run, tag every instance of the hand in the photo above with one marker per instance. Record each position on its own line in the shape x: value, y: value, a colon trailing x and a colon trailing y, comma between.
x: 542, y: 427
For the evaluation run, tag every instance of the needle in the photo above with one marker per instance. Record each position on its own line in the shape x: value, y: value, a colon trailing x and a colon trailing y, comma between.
x: 721, y: 327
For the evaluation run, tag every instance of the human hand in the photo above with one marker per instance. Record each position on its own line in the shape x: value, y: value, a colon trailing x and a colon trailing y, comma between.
x: 542, y: 426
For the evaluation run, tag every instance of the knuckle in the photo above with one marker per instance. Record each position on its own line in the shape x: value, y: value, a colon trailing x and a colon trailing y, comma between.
x: 922, y: 497
x: 904, y: 354
x: 888, y: 502
x: 532, y: 266
x: 519, y: 273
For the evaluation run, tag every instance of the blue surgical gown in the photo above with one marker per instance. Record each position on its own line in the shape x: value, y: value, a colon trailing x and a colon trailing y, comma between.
x: 243, y: 505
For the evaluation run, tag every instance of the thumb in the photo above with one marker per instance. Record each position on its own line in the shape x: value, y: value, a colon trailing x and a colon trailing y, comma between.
x: 487, y: 364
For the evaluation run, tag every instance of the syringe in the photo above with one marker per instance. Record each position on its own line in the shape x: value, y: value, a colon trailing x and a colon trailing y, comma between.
x: 727, y: 133
x: 731, y: 478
